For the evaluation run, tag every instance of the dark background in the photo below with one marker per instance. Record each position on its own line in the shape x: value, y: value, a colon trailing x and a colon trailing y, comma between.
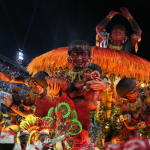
x: 38, y: 26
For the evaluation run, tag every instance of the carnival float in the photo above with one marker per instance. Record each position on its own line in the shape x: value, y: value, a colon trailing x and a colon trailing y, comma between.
x: 86, y: 97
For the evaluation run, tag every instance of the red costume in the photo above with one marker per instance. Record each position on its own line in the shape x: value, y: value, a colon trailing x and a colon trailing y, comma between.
x: 81, y: 109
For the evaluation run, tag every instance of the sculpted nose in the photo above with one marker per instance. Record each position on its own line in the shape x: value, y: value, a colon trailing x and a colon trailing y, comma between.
x: 79, y: 57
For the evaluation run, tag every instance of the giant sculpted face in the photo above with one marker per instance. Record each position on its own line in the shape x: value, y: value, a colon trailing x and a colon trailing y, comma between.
x: 79, y: 58
x: 118, y: 34
x: 79, y: 54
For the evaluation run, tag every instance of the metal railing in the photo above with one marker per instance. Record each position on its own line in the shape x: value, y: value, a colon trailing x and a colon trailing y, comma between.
x: 13, y: 63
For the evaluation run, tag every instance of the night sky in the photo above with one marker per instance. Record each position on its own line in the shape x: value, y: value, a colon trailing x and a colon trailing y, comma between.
x: 38, y: 26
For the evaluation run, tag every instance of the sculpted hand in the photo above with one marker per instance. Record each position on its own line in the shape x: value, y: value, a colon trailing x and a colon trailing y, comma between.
x: 54, y: 88
x: 114, y: 13
x: 97, y: 85
x: 8, y: 101
x: 79, y: 85
x: 124, y: 11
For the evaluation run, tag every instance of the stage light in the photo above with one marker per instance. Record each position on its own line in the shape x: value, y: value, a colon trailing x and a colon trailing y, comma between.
x: 20, y: 54
x: 20, y: 57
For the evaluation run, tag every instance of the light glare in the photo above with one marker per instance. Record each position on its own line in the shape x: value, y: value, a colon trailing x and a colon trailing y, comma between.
x: 142, y: 84
x: 20, y: 57
x: 20, y: 54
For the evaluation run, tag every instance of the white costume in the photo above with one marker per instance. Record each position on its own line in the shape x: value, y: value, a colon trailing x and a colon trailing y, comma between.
x: 28, y: 147
x: 39, y: 145
x: 56, y: 141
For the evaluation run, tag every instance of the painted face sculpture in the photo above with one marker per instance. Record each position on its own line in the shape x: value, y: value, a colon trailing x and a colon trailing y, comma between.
x: 126, y: 88
x: 133, y: 95
x: 79, y: 58
x: 32, y: 84
x: 79, y: 54
x: 118, y: 34
x: 87, y: 74
x: 36, y: 88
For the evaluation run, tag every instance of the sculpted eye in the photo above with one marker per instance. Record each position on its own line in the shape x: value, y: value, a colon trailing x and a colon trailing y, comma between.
x: 73, y: 54
x: 84, y: 54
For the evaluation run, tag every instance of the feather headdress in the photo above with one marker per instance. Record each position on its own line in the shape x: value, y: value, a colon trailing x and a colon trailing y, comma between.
x: 34, y: 125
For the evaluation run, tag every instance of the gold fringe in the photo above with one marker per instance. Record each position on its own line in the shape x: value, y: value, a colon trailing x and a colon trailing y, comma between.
x: 73, y: 75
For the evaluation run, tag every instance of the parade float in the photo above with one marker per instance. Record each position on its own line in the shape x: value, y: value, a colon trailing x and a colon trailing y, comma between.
x: 88, y: 92
x: 115, y: 65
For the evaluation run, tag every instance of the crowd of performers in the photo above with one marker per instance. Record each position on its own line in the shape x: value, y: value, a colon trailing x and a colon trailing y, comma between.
x: 80, y: 109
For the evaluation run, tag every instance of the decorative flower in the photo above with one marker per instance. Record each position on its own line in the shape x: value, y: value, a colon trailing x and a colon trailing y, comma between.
x: 14, y: 107
x: 95, y: 75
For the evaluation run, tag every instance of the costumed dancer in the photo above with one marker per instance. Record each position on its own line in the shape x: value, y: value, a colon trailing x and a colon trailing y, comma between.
x: 41, y: 128
x: 50, y: 142
x: 23, y: 144
x: 118, y: 36
x: 45, y: 142
x: 7, y: 141
x: 43, y: 136
x: 62, y: 112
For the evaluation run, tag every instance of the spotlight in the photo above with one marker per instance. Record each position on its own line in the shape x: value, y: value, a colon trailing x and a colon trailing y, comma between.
x: 142, y: 85
x: 19, y: 56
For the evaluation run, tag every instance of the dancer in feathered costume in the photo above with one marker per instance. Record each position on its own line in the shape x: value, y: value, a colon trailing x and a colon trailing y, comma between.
x: 67, y: 111
x: 23, y: 145
x: 39, y: 129
x: 34, y: 125
x: 43, y: 136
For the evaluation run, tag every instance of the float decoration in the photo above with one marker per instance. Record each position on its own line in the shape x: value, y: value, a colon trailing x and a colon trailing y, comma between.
x: 75, y: 128
x: 63, y: 109
x: 65, y: 118
x: 111, y: 61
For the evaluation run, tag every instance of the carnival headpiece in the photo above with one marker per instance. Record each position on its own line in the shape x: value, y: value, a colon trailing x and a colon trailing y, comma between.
x: 43, y: 132
x: 25, y: 132
x: 34, y: 125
